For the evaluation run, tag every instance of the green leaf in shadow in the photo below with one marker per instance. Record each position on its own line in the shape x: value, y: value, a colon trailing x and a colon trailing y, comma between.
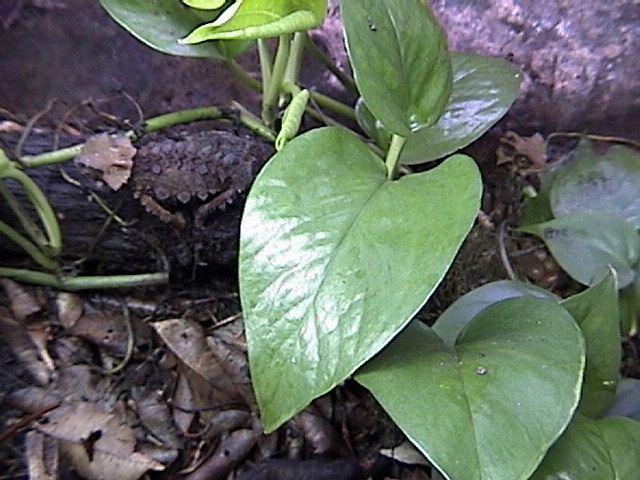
x: 464, y: 309
x: 400, y: 61
x: 587, y: 242
x: 335, y: 259
x: 594, y: 450
x: 489, y: 407
x: 608, y: 182
x: 596, y: 312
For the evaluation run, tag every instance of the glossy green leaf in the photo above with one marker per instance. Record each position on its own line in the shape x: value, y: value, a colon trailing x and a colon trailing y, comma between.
x: 204, y: 4
x: 596, y: 312
x: 490, y: 407
x: 464, y: 309
x: 483, y: 90
x: 608, y: 182
x: 335, y: 259
x: 159, y: 24
x: 400, y: 61
x: 594, y: 450
x: 587, y: 242
x: 255, y: 19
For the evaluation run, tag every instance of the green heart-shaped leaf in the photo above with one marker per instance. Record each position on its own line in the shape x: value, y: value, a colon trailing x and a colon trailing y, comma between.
x: 400, y: 61
x: 466, y: 308
x: 483, y: 90
x: 253, y: 19
x: 490, y: 407
x: 587, y: 242
x: 594, y: 450
x: 596, y: 312
x: 335, y: 259
x: 609, y: 182
x: 159, y: 24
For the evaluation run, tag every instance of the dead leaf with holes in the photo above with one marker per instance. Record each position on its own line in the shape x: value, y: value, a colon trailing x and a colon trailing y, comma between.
x: 96, y: 442
x: 526, y: 154
x: 109, y: 157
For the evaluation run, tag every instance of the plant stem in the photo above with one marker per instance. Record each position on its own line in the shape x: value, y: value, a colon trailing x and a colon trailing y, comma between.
x: 270, y: 98
x: 29, y: 248
x: 334, y: 105
x: 41, y: 205
x: 266, y: 64
x: 292, y: 72
x: 28, y: 225
x: 345, y: 79
x: 51, y: 158
x: 181, y: 116
x: 253, y: 123
x: 324, y: 101
x: 151, y: 125
x: 84, y: 283
x: 393, y: 156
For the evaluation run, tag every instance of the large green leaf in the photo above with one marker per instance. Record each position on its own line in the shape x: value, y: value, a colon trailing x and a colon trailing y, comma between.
x: 400, y: 61
x: 262, y: 19
x: 159, y: 24
x: 609, y: 182
x: 464, y: 309
x: 483, y: 90
x: 489, y: 407
x: 335, y: 259
x: 596, y: 312
x: 594, y: 450
x: 587, y: 242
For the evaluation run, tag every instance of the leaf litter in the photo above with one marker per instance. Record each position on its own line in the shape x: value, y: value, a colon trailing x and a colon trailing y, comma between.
x: 127, y: 388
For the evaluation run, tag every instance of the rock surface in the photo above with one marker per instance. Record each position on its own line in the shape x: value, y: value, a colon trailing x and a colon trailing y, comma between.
x: 579, y: 56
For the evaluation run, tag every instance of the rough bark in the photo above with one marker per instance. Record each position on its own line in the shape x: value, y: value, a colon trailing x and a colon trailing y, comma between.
x: 144, y: 243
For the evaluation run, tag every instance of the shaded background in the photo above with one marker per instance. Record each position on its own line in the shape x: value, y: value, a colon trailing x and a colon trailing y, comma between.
x: 580, y: 59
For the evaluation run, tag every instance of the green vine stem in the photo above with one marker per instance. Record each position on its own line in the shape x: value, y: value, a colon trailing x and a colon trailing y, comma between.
x: 270, y: 99
x: 152, y: 125
x: 292, y: 72
x: 84, y: 283
x: 207, y: 113
x: 324, y: 101
x: 36, y: 254
x: 28, y: 225
x: 266, y: 64
x: 393, y: 156
x: 9, y: 169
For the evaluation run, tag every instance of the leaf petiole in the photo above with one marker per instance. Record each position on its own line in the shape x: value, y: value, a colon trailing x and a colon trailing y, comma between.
x: 392, y: 160
x: 272, y: 94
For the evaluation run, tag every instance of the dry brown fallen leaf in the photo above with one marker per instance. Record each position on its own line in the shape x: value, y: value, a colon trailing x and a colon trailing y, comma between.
x: 96, y: 442
x: 108, y: 156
